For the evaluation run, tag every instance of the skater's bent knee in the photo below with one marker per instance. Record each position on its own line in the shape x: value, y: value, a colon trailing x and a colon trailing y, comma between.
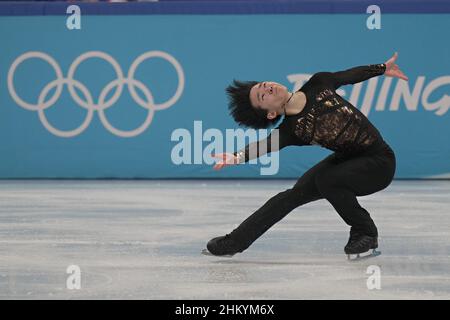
x: 322, y: 180
x: 293, y: 198
x: 325, y: 182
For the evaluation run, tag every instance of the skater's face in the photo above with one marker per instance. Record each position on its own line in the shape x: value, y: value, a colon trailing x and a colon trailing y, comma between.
x: 269, y: 96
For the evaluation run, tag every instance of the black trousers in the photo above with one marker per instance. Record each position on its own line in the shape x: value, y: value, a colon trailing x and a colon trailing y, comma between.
x: 338, y: 179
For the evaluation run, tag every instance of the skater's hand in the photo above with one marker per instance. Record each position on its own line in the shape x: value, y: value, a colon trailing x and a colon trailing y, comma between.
x: 225, y: 159
x: 392, y: 69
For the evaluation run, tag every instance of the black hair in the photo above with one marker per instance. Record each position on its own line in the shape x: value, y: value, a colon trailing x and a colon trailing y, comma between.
x: 242, y: 110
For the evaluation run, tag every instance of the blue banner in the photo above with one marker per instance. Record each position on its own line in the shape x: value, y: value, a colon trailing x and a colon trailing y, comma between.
x: 115, y: 98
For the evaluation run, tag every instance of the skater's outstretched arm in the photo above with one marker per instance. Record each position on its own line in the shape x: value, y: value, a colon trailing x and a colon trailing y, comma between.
x: 356, y: 74
x: 363, y: 73
x: 274, y: 142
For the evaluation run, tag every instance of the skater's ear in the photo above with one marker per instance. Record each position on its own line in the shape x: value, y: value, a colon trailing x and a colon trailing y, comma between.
x: 272, y: 115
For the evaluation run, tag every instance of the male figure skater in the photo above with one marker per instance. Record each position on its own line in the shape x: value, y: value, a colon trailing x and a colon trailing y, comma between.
x: 362, y: 162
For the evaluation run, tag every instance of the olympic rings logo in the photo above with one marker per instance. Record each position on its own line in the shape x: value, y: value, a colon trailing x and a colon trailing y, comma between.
x: 44, y: 102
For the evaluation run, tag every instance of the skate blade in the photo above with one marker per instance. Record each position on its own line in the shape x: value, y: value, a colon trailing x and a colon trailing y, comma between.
x: 207, y: 253
x: 359, y: 257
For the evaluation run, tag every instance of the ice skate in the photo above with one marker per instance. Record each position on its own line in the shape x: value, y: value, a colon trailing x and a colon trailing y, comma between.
x: 361, y: 247
x: 207, y: 253
x: 221, y: 247
x: 363, y: 256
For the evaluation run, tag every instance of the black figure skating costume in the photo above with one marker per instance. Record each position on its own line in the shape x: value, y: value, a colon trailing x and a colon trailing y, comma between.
x: 361, y: 163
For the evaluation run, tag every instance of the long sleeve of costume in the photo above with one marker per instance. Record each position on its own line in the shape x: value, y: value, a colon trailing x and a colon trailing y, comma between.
x: 356, y: 74
x: 274, y: 142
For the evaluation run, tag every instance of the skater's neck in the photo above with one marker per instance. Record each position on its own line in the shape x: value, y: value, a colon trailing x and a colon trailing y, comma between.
x: 296, y: 104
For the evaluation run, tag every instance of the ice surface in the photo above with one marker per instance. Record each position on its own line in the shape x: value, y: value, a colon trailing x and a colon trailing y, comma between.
x: 143, y: 240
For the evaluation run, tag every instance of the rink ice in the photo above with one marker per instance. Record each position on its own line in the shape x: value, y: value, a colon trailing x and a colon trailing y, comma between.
x: 142, y: 240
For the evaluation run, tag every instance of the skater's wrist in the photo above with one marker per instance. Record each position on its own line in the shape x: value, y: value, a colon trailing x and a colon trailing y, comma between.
x: 240, y: 156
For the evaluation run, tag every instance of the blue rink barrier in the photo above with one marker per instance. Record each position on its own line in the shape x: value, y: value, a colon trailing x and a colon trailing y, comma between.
x: 227, y: 7
x: 116, y: 98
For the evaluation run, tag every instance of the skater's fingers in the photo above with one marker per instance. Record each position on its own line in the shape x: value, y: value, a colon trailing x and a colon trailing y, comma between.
x: 393, y: 58
x: 219, y: 165
x: 391, y: 61
x: 224, y: 159
x: 220, y: 156
x: 401, y: 75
